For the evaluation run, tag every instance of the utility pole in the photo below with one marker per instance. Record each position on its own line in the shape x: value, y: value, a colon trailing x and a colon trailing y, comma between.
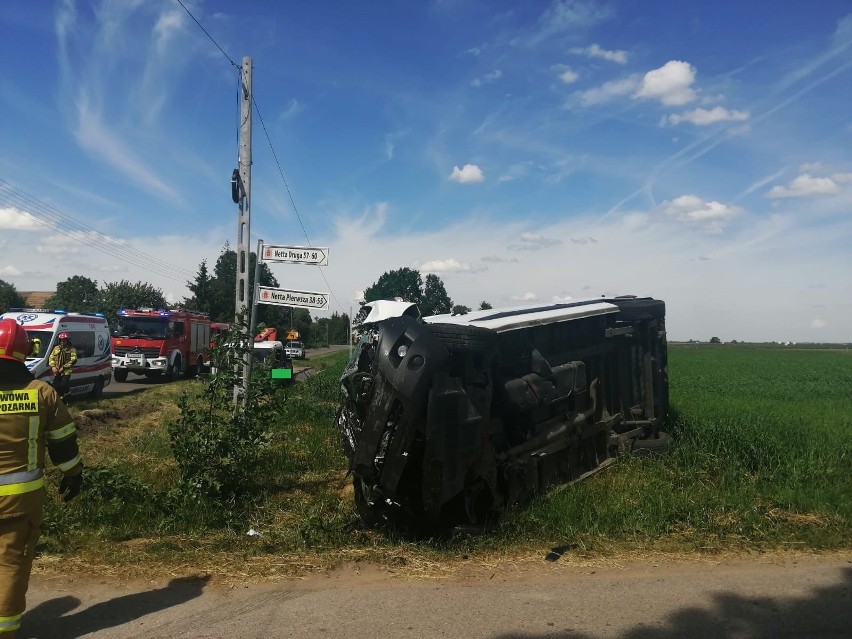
x: 242, y: 196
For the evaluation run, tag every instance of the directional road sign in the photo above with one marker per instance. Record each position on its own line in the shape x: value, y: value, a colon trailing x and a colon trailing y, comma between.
x: 286, y: 297
x: 295, y: 254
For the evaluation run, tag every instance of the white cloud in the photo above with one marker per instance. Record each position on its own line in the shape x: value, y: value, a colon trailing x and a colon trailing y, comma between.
x: 596, y: 51
x: 805, y: 186
x: 451, y: 265
x: 10, y: 271
x: 535, y: 242
x: 15, y: 219
x: 811, y: 167
x: 168, y: 25
x: 487, y: 78
x: 711, y: 216
x: 842, y: 178
x: 671, y: 84
x: 818, y: 323
x: 561, y: 299
x: 94, y: 136
x: 609, y: 90
x: 565, y: 16
x: 496, y: 259
x: 468, y: 174
x: 568, y: 76
x: 704, y: 117
x: 526, y: 297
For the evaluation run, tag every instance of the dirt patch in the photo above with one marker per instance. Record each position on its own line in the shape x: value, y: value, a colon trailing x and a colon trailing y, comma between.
x: 92, y: 420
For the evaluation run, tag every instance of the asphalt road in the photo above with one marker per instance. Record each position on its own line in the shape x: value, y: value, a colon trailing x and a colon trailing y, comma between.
x: 762, y: 597
x: 138, y: 382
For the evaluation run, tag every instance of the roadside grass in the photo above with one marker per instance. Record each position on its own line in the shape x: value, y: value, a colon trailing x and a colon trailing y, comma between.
x: 761, y: 460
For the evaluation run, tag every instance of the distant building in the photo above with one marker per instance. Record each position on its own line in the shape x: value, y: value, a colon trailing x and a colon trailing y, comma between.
x: 36, y: 299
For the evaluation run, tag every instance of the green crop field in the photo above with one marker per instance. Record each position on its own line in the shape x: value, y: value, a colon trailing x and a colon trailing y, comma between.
x: 761, y: 459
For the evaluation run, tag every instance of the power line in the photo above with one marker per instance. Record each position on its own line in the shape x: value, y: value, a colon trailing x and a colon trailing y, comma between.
x: 292, y: 201
x: 48, y: 216
x: 271, y: 147
x: 227, y: 57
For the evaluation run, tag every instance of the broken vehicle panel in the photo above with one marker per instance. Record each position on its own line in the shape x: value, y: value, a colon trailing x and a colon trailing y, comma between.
x: 447, y: 420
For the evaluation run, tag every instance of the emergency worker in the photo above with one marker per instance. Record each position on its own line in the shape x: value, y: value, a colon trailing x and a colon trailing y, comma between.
x: 62, y: 360
x: 32, y: 418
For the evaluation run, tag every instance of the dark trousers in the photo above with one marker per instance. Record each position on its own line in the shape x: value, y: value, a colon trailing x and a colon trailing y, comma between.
x: 62, y: 384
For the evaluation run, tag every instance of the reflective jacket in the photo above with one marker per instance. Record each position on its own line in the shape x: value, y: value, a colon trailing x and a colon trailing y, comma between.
x: 32, y: 419
x: 63, y: 358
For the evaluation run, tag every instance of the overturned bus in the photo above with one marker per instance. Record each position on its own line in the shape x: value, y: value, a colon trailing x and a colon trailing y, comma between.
x: 447, y: 420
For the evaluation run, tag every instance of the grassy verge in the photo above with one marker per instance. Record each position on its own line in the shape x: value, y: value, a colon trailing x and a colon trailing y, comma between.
x: 761, y: 460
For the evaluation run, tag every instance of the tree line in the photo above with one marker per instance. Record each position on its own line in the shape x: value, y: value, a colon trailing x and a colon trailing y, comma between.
x: 212, y: 292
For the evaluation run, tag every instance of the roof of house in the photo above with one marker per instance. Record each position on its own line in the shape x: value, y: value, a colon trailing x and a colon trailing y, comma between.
x: 36, y: 299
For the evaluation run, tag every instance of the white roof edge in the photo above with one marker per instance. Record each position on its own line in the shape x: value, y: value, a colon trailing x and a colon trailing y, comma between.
x: 524, y: 316
x: 385, y: 309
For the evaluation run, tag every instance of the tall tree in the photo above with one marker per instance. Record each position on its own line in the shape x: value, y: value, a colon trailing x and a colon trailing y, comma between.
x: 77, y: 293
x: 9, y: 297
x: 461, y: 309
x: 484, y: 306
x: 123, y: 294
x: 202, y: 290
x: 435, y: 298
x: 223, y: 286
x: 331, y: 330
x: 404, y: 282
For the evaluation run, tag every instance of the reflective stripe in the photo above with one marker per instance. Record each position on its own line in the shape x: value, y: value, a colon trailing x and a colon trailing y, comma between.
x: 62, y: 433
x: 20, y: 489
x: 7, y: 624
x: 65, y: 466
x: 21, y: 477
x: 32, y: 444
x: 16, y: 355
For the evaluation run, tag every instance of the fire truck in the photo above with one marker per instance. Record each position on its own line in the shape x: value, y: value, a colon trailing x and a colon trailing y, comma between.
x: 159, y: 343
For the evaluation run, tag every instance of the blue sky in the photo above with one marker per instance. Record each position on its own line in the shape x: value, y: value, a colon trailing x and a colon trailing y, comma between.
x: 540, y: 151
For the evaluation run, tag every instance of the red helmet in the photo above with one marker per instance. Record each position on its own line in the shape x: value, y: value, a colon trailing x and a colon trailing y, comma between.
x: 14, y: 344
x: 64, y: 335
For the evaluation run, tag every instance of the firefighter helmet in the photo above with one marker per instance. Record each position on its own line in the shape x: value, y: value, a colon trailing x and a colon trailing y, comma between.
x: 14, y: 344
x: 64, y: 335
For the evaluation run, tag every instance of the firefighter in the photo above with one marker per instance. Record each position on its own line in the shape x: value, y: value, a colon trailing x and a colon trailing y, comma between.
x: 32, y: 417
x: 62, y: 360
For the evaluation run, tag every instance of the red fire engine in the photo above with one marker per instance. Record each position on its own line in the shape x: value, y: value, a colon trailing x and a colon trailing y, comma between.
x: 159, y: 342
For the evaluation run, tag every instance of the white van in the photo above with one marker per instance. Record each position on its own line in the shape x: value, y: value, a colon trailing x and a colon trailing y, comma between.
x: 89, y: 334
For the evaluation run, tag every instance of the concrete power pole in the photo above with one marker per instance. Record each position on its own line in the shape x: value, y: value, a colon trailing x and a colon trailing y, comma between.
x: 244, y: 214
x: 244, y: 210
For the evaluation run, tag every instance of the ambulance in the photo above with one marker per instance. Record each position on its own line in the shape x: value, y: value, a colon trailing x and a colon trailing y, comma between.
x: 89, y: 334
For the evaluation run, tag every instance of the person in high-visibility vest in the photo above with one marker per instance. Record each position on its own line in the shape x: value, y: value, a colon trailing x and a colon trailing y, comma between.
x: 32, y: 418
x: 62, y: 360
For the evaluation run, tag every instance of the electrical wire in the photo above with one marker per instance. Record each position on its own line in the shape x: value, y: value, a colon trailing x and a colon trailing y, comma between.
x: 292, y: 201
x: 24, y: 204
x: 271, y: 147
x: 227, y: 57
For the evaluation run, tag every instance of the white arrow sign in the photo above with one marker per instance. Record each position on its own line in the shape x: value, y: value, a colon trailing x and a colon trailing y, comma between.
x: 295, y: 254
x: 285, y: 297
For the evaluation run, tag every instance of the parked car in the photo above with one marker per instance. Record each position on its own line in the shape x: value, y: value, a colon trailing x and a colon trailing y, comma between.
x: 296, y: 350
x: 449, y: 420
